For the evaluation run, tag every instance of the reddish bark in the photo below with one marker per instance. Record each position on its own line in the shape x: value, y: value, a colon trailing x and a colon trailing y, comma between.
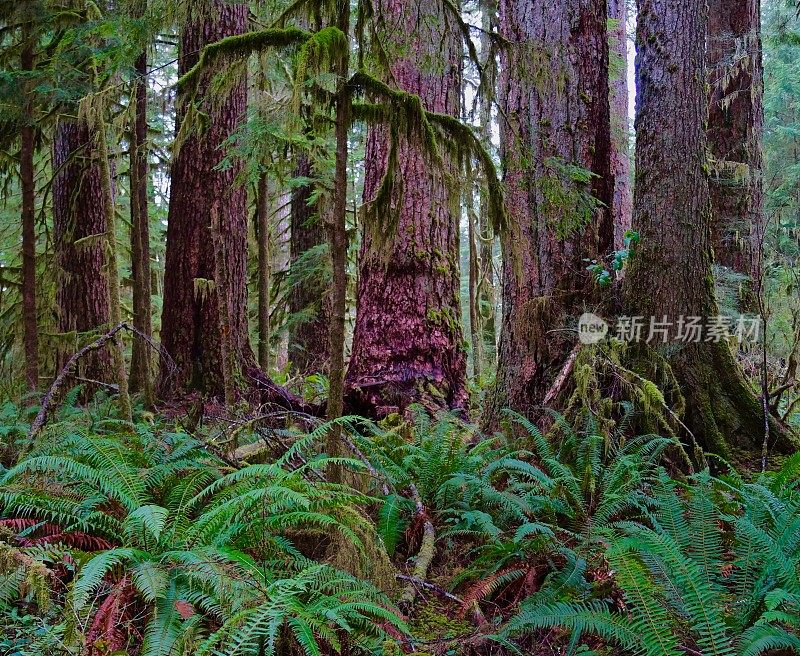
x: 308, y: 300
x: 620, y: 137
x: 554, y: 100
x: 79, y: 214
x: 407, y: 343
x: 192, y: 320
x: 672, y: 211
x: 735, y: 126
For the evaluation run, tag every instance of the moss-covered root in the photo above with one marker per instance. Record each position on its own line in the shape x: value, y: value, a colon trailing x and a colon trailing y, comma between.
x: 722, y: 409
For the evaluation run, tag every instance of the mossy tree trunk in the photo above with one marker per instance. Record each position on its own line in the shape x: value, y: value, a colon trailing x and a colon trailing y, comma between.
x: 141, y: 355
x: 620, y: 138
x: 28, y: 188
x: 79, y: 225
x: 735, y: 127
x: 309, y: 298
x: 555, y: 130
x: 670, y: 274
x: 486, y: 300
x: 408, y: 344
x: 192, y: 320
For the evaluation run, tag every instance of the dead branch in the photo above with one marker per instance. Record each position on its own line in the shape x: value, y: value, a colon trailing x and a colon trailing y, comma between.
x: 426, y: 552
x: 54, y: 393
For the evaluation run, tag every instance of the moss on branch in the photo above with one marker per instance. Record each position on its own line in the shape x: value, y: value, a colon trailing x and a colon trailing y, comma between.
x: 405, y: 114
x: 242, y: 45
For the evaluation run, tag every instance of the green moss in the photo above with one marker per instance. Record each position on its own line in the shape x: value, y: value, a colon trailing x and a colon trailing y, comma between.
x: 242, y: 45
x: 431, y: 623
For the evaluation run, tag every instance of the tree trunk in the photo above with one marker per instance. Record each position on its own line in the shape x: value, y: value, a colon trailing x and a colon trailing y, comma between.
x: 473, y: 285
x: 141, y: 355
x: 735, y: 126
x: 112, y: 267
x: 309, y: 297
x: 670, y: 274
x: 79, y: 226
x: 620, y: 138
x: 192, y: 320
x: 281, y: 227
x: 555, y: 129
x: 336, y: 226
x: 407, y: 343
x: 486, y: 293
x: 27, y: 180
x: 263, y: 236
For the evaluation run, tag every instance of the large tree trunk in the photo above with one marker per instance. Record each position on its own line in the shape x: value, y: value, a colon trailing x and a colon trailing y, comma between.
x: 554, y: 118
x: 670, y: 274
x: 141, y: 378
x: 79, y: 215
x: 620, y: 156
x: 192, y: 320
x: 308, y: 299
x: 407, y: 343
x: 735, y: 125
x: 27, y: 180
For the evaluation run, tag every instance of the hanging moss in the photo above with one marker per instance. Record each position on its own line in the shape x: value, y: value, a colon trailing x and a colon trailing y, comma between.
x: 241, y: 45
x: 406, y: 117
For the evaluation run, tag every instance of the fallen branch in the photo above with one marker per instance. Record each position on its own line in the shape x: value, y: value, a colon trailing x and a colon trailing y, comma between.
x: 427, y: 550
x: 429, y: 586
x: 54, y: 392
x: 562, y: 377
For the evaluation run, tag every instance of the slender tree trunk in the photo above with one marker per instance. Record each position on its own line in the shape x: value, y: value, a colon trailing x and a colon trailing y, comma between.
x: 79, y: 225
x: 475, y: 327
x: 281, y: 230
x: 555, y: 127
x: 337, y: 239
x: 27, y: 179
x: 264, y: 265
x: 620, y: 138
x: 112, y: 270
x: 141, y: 356
x: 487, y: 295
x: 192, y: 320
x: 670, y: 274
x: 309, y: 299
x: 735, y: 127
x: 407, y: 343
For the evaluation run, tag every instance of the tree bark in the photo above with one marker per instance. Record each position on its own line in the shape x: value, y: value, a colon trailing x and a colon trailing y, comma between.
x: 554, y: 127
x: 407, y: 342
x: 27, y: 183
x: 79, y: 226
x: 620, y: 137
x: 141, y: 377
x: 735, y: 126
x: 670, y: 274
x: 192, y: 319
x: 309, y: 297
